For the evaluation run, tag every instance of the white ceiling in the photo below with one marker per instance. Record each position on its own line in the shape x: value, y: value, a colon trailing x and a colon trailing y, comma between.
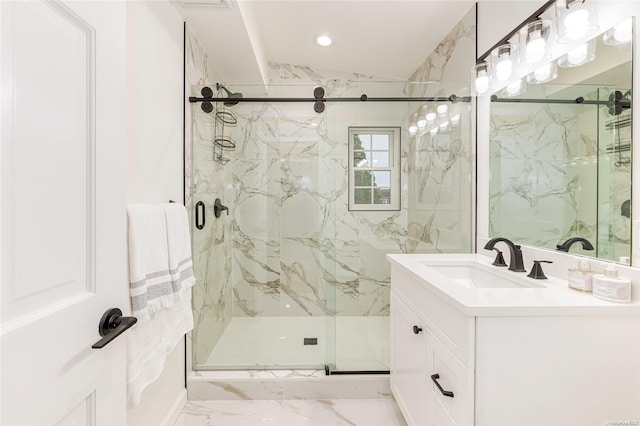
x: 383, y: 38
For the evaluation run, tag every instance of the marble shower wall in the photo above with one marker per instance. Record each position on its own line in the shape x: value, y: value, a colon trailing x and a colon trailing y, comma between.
x: 298, y: 249
x: 206, y: 180
x: 439, y: 165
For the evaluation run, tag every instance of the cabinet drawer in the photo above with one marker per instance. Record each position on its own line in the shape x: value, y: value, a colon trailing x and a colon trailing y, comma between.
x: 455, y: 330
x: 452, y: 377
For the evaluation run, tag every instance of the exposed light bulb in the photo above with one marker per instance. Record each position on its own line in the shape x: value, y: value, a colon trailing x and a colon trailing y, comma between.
x: 576, y: 22
x: 536, y: 47
x: 578, y: 55
x: 444, y: 125
x: 422, y: 123
x: 481, y: 79
x: 433, y: 131
x: 442, y: 109
x: 482, y: 83
x: 430, y: 116
x: 455, y: 119
x: 413, y: 129
x: 504, y: 68
x: 514, y: 87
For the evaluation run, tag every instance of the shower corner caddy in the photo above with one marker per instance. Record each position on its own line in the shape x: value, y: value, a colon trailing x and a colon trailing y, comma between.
x: 222, y: 120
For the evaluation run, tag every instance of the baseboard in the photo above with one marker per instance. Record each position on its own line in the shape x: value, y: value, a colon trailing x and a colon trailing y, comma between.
x: 176, y: 409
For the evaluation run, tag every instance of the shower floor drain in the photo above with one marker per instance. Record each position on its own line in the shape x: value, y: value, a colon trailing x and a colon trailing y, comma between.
x: 310, y: 340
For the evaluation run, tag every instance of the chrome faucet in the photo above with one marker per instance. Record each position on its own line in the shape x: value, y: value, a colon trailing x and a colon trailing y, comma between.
x: 515, y: 259
x: 567, y: 244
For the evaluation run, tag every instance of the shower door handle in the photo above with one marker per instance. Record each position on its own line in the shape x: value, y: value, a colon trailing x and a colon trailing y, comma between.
x: 200, y: 211
x: 111, y: 326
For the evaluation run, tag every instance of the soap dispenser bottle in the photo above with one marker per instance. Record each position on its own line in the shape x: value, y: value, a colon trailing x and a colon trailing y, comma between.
x: 609, y: 286
x: 581, y: 278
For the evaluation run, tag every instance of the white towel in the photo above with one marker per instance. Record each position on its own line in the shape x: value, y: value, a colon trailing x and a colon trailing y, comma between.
x: 149, y: 343
x: 158, y: 241
x: 179, y: 242
x: 149, y: 276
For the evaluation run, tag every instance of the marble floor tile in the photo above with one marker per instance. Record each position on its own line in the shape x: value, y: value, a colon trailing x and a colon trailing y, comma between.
x: 338, y: 412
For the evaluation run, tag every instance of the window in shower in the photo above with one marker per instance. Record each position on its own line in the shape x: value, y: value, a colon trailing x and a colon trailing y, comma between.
x: 374, y: 168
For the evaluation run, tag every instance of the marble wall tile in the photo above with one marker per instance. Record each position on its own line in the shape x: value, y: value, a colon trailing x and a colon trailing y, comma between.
x: 452, y: 59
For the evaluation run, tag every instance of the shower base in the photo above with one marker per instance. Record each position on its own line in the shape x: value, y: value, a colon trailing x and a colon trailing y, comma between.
x: 361, y: 343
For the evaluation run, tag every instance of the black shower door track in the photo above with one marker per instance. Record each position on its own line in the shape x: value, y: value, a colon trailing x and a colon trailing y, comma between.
x: 363, y: 98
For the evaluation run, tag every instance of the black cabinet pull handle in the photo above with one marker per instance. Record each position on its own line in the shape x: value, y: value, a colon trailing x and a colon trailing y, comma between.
x: 200, y: 215
x: 435, y: 378
x: 112, y: 325
x: 416, y: 329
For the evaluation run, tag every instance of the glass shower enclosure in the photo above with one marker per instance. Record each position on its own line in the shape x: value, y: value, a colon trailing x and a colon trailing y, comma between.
x: 293, y: 274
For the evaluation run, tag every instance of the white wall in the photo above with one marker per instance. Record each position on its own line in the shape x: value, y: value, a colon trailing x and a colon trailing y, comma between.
x: 491, y: 28
x: 154, y: 87
x: 154, y: 163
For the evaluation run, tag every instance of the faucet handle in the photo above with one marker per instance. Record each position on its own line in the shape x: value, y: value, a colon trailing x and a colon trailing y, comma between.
x: 536, y: 271
x: 499, y: 259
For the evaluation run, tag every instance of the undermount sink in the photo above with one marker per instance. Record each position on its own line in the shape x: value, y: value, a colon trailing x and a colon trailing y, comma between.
x: 472, y: 274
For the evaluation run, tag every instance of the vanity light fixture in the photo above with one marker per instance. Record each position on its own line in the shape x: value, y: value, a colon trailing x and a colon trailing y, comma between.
x: 619, y: 35
x: 455, y: 120
x: 481, y: 78
x: 543, y: 73
x: 585, y: 52
x: 324, y: 40
x: 502, y: 59
x: 576, y: 19
x: 442, y: 109
x: 433, y: 131
x: 536, y: 41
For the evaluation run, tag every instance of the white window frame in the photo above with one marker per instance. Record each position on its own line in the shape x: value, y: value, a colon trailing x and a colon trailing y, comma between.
x: 394, y: 167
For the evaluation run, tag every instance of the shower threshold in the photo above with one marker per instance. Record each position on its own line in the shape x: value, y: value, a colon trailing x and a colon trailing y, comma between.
x: 285, y: 385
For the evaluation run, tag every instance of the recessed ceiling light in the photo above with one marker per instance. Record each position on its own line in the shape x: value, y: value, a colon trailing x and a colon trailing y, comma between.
x: 324, y: 40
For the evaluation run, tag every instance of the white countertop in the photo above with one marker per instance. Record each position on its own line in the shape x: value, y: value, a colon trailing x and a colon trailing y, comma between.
x: 553, y: 298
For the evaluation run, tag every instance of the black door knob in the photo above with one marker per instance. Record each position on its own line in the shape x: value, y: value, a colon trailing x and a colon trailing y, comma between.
x: 112, y: 324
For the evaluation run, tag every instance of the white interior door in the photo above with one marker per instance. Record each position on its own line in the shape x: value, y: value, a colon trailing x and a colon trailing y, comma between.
x: 62, y: 215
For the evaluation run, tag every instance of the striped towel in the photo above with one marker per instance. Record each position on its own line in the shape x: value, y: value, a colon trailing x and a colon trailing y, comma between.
x: 149, y: 276
x: 179, y: 241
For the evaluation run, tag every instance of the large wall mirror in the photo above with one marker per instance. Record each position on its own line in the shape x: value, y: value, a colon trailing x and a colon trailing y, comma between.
x: 560, y: 151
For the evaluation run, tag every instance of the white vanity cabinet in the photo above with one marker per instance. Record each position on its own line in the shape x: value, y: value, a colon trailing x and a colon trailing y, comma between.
x: 508, y: 368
